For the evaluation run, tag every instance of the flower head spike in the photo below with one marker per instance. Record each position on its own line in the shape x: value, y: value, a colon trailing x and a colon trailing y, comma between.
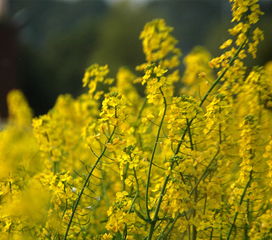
x: 159, y: 45
x: 95, y: 74
x: 19, y: 110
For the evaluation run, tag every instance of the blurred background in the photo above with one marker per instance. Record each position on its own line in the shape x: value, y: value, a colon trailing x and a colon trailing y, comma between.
x: 45, y: 45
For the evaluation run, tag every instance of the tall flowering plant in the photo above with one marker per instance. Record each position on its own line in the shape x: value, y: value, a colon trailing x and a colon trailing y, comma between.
x: 112, y: 164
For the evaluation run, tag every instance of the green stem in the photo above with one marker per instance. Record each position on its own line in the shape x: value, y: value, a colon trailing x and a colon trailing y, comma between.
x: 85, y: 185
x: 240, y: 203
x: 190, y: 135
x: 189, y: 232
x: 211, y: 234
x: 151, y: 231
x: 153, y: 155
x: 223, y: 73
x: 166, y: 231
x: 205, y: 172
x: 247, y: 227
x: 124, y: 176
x: 194, y: 230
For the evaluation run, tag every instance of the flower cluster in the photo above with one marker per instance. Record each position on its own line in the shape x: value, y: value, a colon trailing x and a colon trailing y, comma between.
x: 159, y: 45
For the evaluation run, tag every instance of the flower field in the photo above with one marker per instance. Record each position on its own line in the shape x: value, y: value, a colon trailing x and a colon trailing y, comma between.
x: 193, y: 163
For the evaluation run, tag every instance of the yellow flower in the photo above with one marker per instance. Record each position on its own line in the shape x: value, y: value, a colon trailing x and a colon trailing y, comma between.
x: 226, y: 44
x: 107, y: 236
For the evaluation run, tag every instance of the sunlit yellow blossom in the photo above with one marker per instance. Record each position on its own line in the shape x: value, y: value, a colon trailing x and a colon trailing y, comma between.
x: 95, y: 74
x: 159, y: 45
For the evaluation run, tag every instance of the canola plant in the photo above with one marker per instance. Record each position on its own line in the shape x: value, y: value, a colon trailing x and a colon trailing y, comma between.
x: 113, y: 164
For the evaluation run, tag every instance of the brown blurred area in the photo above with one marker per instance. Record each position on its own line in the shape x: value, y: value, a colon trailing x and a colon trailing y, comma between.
x: 8, y: 56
